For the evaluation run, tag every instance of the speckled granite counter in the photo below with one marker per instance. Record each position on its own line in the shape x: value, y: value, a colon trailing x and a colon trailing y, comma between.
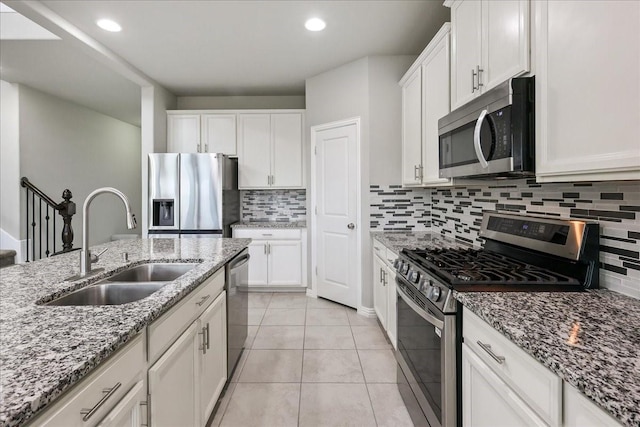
x: 270, y: 224
x: 604, y: 363
x: 398, y: 240
x: 44, y: 350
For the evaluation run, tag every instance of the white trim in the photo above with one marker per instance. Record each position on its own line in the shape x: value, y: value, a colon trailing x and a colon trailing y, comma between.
x: 311, y: 293
x: 7, y: 241
x: 431, y: 48
x: 367, y: 312
x: 313, y: 222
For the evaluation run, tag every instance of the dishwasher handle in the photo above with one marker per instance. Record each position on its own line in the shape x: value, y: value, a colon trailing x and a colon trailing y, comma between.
x: 239, y: 262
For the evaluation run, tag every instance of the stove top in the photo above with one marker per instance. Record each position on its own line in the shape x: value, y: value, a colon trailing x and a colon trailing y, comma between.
x: 481, y: 267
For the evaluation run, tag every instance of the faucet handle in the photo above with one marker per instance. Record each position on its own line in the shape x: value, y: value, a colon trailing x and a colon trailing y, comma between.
x: 96, y: 258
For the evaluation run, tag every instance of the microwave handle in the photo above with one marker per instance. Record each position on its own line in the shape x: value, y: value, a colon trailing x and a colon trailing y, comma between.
x: 476, y: 140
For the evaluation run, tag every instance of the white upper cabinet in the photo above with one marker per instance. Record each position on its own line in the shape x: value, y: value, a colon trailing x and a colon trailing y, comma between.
x: 425, y: 99
x: 219, y: 133
x: 412, y: 129
x: 201, y: 133
x: 270, y: 150
x: 587, y: 90
x: 183, y: 133
x: 490, y: 44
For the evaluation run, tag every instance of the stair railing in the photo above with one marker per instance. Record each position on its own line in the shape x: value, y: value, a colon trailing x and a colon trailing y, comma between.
x: 38, y: 231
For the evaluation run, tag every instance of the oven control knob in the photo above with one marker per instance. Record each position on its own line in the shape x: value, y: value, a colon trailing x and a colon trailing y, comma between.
x: 434, y: 293
x: 397, y: 264
x: 414, y: 276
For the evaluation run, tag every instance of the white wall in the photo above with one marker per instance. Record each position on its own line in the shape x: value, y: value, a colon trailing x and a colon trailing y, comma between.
x: 64, y: 145
x: 10, y: 169
x: 240, y: 102
x: 367, y: 88
x: 155, y: 102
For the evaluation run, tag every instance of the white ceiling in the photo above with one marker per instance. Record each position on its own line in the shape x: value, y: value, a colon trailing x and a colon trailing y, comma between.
x: 214, y: 47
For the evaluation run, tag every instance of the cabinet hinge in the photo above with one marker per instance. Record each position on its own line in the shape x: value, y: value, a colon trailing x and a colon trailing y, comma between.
x: 315, y: 150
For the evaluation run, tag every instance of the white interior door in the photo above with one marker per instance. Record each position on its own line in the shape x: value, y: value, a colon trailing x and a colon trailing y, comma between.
x: 336, y: 168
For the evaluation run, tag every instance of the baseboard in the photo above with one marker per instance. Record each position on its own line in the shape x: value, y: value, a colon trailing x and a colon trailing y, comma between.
x: 367, y: 312
x: 8, y: 242
x: 312, y: 293
x: 296, y: 289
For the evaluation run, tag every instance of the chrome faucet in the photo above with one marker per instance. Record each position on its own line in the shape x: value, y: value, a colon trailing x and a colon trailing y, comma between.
x: 85, y: 254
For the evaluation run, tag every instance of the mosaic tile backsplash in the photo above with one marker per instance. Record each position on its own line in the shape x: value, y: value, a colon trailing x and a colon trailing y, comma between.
x: 457, y: 211
x: 396, y: 208
x: 274, y: 205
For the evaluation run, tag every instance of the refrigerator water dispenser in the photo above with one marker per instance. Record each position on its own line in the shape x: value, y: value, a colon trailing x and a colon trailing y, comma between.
x: 163, y: 212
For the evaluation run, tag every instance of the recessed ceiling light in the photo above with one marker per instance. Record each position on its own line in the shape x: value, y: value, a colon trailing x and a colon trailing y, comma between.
x: 315, y: 24
x: 109, y: 25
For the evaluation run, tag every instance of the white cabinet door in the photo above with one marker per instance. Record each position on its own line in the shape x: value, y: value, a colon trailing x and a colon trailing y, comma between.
x: 412, y: 129
x: 172, y: 383
x: 579, y: 411
x: 505, y: 35
x: 466, y: 53
x: 258, y: 264
x: 183, y: 133
x: 286, y: 158
x: 219, y: 133
x: 436, y: 104
x: 487, y: 401
x: 254, y: 150
x: 380, y: 290
x: 285, y: 262
x: 131, y: 411
x: 213, y: 356
x: 587, y: 108
x: 392, y: 308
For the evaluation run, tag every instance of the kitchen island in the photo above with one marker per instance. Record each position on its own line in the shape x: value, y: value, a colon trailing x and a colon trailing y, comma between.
x: 45, y: 350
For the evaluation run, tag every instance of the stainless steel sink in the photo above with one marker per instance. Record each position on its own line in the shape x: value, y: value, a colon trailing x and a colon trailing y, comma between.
x: 152, y: 272
x: 129, y: 285
x: 109, y: 294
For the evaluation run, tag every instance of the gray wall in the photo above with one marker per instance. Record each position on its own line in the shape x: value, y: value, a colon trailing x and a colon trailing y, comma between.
x: 240, y: 102
x: 64, y: 145
x: 367, y: 88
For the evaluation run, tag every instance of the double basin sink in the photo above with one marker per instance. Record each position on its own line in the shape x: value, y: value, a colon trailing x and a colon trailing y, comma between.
x: 126, y: 286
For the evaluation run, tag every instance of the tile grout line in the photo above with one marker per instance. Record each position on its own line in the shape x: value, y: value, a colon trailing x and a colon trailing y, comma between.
x: 304, y: 335
x: 364, y: 378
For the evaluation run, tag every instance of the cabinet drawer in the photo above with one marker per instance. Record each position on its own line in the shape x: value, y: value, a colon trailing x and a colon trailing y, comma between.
x: 535, y: 384
x: 165, y: 330
x: 379, y: 249
x: 267, y: 234
x: 100, y: 391
x: 390, y: 257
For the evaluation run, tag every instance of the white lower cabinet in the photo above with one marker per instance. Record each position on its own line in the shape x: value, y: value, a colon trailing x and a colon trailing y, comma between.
x: 131, y: 411
x: 487, y: 400
x: 579, y: 411
x: 185, y: 383
x: 278, y: 256
x: 491, y: 362
x: 380, y: 295
x: 384, y: 290
x: 172, y: 383
x: 213, y: 359
x: 105, y: 393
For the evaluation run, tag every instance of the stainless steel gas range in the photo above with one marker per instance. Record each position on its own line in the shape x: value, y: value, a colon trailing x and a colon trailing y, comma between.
x: 521, y: 253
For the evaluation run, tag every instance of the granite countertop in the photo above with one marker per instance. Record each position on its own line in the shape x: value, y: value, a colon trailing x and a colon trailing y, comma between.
x: 589, y: 339
x: 44, y: 350
x: 398, y: 240
x: 270, y: 224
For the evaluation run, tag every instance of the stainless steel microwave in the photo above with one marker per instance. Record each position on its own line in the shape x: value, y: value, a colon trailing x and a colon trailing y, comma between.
x: 492, y: 136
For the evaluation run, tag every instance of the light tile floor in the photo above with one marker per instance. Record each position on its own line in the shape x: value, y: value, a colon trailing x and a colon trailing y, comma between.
x: 311, y: 362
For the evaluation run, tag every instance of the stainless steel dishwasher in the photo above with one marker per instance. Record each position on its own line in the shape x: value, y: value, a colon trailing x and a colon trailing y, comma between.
x: 237, y: 308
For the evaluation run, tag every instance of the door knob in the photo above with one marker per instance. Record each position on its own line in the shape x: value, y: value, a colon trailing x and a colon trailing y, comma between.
x: 351, y: 226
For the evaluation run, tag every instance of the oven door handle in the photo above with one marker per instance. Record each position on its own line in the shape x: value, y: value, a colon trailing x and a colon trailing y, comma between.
x: 476, y: 140
x: 420, y: 311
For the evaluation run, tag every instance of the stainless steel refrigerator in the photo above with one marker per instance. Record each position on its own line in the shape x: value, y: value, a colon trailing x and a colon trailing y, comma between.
x: 193, y: 195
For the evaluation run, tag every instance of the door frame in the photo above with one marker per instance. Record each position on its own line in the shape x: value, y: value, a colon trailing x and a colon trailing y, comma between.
x: 313, y: 291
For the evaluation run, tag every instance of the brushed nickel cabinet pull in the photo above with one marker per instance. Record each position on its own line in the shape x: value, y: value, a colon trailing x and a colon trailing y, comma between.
x: 480, y: 71
x: 204, y: 298
x: 88, y: 413
x: 208, y: 341
x: 204, y: 340
x: 487, y: 348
